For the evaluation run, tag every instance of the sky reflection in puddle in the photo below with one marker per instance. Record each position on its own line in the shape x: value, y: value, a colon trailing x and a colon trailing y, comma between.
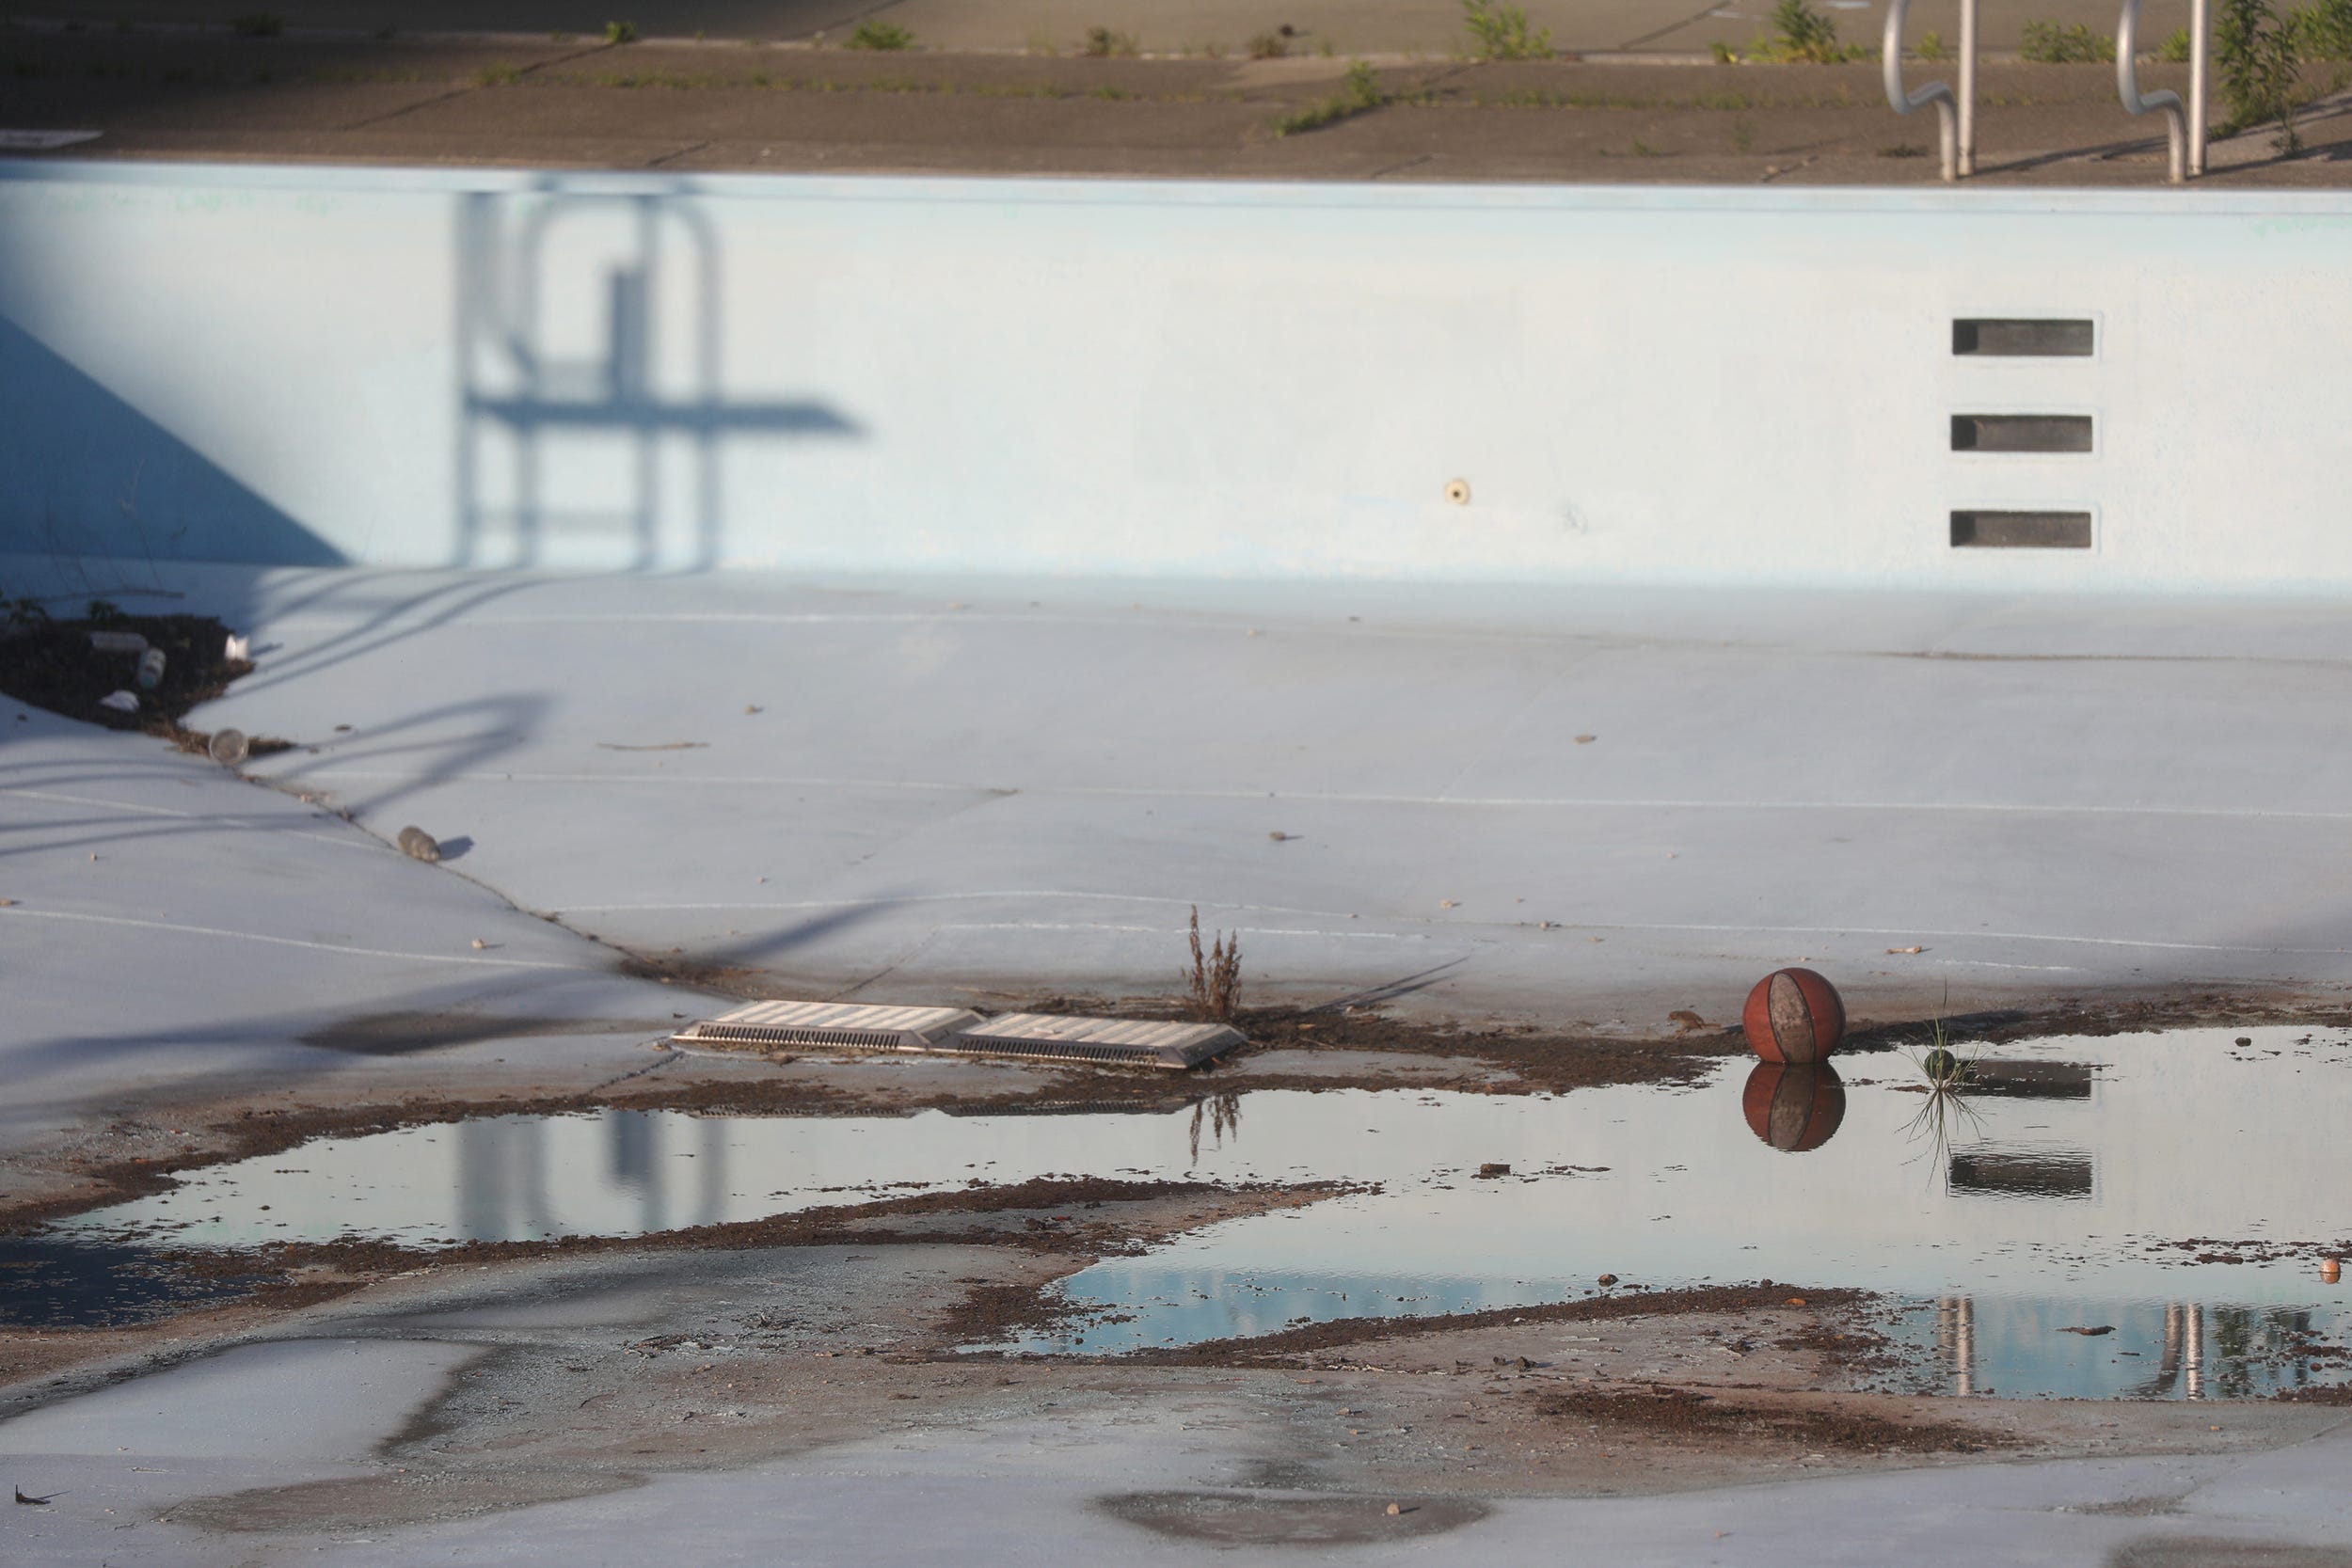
x: 2072, y: 1168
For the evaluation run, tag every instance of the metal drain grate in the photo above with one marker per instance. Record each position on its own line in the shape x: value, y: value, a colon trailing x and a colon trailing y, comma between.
x: 1111, y: 1041
x: 830, y: 1025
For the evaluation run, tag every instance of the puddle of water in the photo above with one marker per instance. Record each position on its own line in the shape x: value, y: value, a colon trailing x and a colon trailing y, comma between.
x: 2049, y: 1200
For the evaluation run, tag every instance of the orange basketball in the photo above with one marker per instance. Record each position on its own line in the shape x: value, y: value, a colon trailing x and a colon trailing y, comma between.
x: 1794, y: 1015
x: 1793, y: 1108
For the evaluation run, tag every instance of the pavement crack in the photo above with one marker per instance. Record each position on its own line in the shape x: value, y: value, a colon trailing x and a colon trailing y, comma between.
x: 463, y: 89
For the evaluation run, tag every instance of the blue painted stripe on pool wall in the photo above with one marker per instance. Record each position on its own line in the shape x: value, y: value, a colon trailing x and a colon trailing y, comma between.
x: 614, y: 372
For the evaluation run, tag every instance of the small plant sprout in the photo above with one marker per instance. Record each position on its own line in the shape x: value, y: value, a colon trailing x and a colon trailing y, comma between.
x: 1361, y: 95
x: 620, y: 32
x: 1269, y: 46
x: 2048, y: 43
x: 1215, y: 977
x: 2323, y: 31
x: 1803, y: 35
x: 2175, y: 48
x: 1931, y: 45
x: 2258, y: 51
x: 881, y: 35
x: 1944, y: 1076
x: 1101, y: 43
x: 1499, y: 32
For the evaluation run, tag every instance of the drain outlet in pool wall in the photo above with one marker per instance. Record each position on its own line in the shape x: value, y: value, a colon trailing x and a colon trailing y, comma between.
x: 2008, y: 338
x: 2021, y: 433
x: 2020, y: 531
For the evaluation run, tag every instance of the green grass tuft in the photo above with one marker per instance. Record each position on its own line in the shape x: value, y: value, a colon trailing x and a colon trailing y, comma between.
x: 881, y: 35
x: 1501, y: 32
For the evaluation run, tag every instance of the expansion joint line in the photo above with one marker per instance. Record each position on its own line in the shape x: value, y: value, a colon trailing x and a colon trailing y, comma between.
x: 465, y: 87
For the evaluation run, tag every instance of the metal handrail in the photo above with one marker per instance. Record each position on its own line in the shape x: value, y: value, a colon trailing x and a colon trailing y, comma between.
x: 1955, y: 112
x: 2184, y: 126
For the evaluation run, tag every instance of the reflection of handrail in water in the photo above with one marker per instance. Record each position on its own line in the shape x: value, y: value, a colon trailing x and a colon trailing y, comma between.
x: 2183, y: 1353
x: 1956, y: 1340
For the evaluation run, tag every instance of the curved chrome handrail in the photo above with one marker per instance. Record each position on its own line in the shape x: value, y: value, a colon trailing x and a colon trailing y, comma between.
x: 1947, y: 109
x: 2176, y: 117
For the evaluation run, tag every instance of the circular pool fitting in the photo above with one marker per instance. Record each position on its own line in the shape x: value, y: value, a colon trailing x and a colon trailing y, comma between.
x: 1457, y: 491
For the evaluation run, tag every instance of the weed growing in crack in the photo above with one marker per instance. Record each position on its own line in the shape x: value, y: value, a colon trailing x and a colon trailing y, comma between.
x: 1361, y: 95
x: 2256, y: 51
x: 2048, y: 43
x: 2323, y: 30
x: 881, y: 35
x: 1499, y: 32
x: 1216, y: 978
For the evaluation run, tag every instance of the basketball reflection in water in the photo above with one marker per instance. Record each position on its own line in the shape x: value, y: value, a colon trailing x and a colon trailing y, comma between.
x: 1794, y: 1106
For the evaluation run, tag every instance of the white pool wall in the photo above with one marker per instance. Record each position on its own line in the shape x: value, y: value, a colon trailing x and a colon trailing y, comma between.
x: 481, y: 368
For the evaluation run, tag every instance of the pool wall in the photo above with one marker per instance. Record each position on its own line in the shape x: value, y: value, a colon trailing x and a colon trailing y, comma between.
x: 480, y: 368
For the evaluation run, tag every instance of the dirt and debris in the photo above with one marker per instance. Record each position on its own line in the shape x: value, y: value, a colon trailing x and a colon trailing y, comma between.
x: 1291, y: 1345
x: 52, y: 665
x: 1689, y: 1414
x: 1232, y: 1519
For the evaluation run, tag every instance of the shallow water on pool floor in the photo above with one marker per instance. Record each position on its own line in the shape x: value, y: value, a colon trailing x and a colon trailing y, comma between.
x: 2054, y: 1195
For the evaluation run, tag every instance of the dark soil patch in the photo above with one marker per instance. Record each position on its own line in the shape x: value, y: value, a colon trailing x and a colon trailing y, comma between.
x: 391, y: 1502
x: 52, y: 665
x: 1539, y: 1061
x: 1846, y: 1346
x: 2114, y: 1015
x: 991, y: 1312
x: 1682, y: 1415
x: 2333, y: 1394
x: 1292, y: 1343
x: 1229, y: 1519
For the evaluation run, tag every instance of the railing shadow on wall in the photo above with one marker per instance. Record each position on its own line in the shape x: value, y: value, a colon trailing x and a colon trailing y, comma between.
x: 590, y: 334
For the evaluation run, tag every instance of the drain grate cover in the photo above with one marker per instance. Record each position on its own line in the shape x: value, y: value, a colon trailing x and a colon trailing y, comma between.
x: 1125, y: 1042
x: 834, y: 1025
